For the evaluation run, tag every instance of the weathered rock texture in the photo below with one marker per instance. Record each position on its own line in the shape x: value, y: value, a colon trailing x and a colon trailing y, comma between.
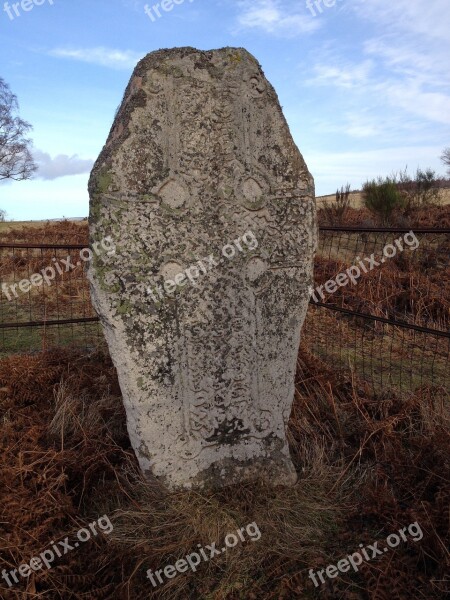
x: 199, y: 153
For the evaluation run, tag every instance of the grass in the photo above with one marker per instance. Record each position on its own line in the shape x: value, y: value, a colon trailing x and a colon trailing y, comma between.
x: 356, y: 198
x: 366, y: 468
x: 63, y: 300
x: 36, y: 339
x: 387, y: 357
x: 8, y: 226
x: 345, y: 247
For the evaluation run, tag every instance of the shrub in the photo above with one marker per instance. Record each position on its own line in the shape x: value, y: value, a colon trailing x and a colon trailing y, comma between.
x: 335, y: 212
x: 421, y: 192
x: 382, y: 197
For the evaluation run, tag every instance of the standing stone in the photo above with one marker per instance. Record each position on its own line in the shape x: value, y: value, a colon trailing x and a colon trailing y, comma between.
x: 200, y: 159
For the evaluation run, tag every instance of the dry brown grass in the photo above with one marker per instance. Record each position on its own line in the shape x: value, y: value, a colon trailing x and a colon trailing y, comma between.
x: 356, y: 198
x: 42, y: 232
x: 68, y: 294
x: 366, y: 468
x: 357, y: 216
x: 414, y: 287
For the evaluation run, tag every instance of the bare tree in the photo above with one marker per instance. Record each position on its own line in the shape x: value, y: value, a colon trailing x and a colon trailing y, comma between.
x: 16, y: 161
x: 446, y: 159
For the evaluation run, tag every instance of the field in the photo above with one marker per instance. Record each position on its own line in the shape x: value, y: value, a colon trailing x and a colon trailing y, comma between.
x: 371, y: 452
x: 39, y: 227
x: 356, y: 199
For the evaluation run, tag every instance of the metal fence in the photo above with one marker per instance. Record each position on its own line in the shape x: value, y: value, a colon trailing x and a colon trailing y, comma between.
x: 390, y: 325
x: 35, y: 316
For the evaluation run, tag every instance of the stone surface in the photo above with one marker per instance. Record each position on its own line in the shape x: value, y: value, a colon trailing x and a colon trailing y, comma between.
x: 199, y: 155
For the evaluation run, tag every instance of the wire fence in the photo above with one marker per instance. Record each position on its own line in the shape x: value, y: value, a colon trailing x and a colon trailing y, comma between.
x: 44, y: 298
x: 390, y: 324
x: 380, y: 304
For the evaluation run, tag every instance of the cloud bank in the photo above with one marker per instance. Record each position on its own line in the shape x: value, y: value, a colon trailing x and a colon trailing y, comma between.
x: 61, y: 165
x: 100, y: 56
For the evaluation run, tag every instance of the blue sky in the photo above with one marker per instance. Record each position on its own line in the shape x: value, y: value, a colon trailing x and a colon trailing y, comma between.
x: 364, y: 84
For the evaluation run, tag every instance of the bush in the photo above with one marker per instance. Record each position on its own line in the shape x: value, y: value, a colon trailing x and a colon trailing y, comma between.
x: 335, y: 212
x: 421, y: 192
x: 382, y: 197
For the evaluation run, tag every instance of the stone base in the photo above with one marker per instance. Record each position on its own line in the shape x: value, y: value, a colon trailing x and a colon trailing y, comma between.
x: 275, y: 471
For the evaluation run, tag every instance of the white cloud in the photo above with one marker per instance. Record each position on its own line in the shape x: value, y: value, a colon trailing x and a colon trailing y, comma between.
x: 402, y: 68
x: 343, y: 76
x: 104, y: 57
x: 414, y: 48
x: 409, y: 96
x: 61, y: 165
x: 408, y: 93
x: 356, y: 125
x: 407, y: 59
x: 426, y: 18
x: 275, y: 17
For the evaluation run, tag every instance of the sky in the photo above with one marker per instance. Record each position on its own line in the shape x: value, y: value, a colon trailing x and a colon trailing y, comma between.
x: 364, y: 84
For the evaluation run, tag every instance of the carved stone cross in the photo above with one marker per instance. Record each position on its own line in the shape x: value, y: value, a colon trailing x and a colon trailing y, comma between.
x: 200, y: 163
